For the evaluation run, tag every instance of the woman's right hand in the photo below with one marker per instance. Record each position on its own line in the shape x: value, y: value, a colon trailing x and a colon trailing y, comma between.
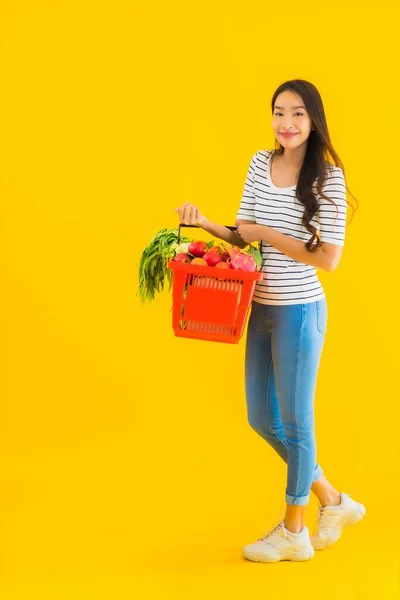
x: 190, y: 215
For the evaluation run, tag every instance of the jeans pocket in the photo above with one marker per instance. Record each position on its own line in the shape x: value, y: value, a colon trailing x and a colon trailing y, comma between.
x: 322, y: 316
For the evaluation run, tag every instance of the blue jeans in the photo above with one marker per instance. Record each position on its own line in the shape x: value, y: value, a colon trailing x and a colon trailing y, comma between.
x: 283, y: 350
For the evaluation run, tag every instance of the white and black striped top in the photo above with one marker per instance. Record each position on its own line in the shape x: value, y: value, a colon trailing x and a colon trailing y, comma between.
x: 287, y: 281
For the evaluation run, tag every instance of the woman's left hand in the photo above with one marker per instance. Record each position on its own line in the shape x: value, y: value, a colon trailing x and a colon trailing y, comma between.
x: 250, y: 233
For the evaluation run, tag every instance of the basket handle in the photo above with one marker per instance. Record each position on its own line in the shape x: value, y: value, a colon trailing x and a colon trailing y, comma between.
x: 231, y: 227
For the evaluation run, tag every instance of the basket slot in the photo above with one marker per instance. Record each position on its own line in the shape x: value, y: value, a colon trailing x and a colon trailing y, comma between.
x: 206, y: 328
x: 216, y: 283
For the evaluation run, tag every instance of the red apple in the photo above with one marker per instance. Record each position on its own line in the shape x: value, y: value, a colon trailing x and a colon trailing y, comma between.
x: 182, y: 257
x: 212, y: 258
x: 225, y: 256
x: 198, y: 249
x: 221, y: 252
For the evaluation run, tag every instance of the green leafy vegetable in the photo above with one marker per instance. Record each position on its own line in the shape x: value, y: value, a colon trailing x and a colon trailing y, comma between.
x: 255, y: 252
x: 153, y: 267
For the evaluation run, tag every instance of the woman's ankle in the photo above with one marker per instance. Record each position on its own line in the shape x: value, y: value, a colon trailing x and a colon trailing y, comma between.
x: 331, y: 500
x: 325, y: 492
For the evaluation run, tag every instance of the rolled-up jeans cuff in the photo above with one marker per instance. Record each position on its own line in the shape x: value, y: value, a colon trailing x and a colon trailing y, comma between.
x: 317, y: 473
x: 297, y: 500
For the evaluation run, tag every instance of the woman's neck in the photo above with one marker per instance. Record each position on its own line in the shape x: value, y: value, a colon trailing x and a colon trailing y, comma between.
x: 293, y: 159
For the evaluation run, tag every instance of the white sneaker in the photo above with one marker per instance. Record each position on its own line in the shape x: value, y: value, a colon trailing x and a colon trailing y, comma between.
x: 280, y: 544
x: 333, y: 519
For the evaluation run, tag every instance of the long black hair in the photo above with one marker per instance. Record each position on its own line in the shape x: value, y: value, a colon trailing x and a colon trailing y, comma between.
x: 317, y: 158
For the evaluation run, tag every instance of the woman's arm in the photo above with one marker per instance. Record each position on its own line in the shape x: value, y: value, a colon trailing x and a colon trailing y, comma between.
x: 327, y: 257
x: 223, y: 233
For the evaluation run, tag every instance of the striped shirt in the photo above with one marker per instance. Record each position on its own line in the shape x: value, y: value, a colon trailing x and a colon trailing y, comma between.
x: 288, y: 281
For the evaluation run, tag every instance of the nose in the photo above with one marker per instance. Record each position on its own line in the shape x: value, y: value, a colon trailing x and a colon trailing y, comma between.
x: 287, y: 126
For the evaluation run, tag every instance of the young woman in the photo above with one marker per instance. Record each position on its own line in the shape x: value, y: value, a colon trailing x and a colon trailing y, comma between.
x: 294, y: 204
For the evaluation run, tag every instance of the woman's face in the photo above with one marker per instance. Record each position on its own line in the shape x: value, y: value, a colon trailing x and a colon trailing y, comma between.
x: 290, y: 116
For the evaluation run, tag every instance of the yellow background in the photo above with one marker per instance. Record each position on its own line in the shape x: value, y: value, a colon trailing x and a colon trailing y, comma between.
x: 128, y: 469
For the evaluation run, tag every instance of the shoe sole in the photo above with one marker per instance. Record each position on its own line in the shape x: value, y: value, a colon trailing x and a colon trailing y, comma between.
x: 297, y: 556
x: 351, y: 520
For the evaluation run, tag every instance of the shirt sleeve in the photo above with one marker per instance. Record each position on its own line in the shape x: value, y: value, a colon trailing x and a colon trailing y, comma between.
x: 332, y: 220
x: 248, y: 201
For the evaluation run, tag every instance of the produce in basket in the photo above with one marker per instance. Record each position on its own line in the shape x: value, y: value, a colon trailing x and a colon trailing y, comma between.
x: 198, y: 249
x: 153, y: 268
x: 242, y: 261
x: 183, y: 257
x: 212, y: 258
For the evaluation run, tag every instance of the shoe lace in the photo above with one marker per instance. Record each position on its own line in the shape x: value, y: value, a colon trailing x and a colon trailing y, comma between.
x: 275, y: 528
x: 325, y: 518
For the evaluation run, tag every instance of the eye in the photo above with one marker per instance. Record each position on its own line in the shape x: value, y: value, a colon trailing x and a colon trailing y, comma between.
x: 298, y: 113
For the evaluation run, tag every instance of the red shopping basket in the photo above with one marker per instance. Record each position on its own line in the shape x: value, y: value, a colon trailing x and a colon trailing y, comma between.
x: 209, y: 303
